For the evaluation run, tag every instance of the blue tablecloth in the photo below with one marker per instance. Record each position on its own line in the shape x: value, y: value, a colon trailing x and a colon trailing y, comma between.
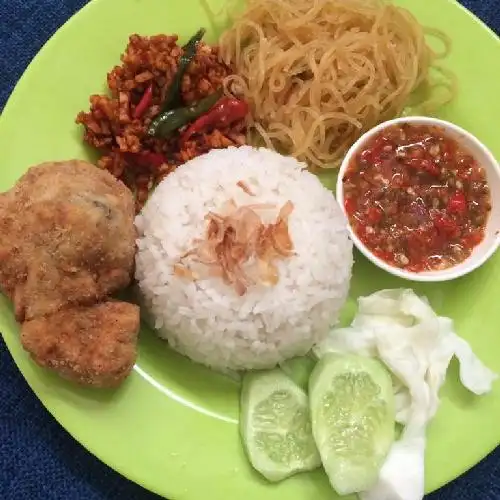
x: 38, y: 459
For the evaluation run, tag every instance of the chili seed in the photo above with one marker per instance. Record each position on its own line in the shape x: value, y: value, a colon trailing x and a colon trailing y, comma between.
x: 434, y: 150
x: 402, y: 259
x: 459, y: 184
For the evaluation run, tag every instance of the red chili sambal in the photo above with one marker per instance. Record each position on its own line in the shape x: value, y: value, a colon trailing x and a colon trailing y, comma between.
x: 416, y: 198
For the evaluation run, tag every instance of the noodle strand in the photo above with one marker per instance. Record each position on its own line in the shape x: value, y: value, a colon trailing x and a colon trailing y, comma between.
x: 318, y: 74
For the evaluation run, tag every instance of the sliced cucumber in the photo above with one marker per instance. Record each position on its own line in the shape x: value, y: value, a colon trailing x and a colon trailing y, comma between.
x: 275, y: 425
x: 353, y: 415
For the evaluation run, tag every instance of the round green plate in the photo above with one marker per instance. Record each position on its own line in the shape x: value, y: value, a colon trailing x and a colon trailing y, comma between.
x: 172, y: 427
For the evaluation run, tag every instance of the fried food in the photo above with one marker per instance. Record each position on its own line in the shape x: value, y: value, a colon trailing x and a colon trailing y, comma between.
x: 116, y: 124
x: 66, y: 237
x: 67, y: 241
x: 93, y: 345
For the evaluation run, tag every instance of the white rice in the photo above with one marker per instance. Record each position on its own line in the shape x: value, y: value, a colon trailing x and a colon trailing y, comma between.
x: 206, y: 320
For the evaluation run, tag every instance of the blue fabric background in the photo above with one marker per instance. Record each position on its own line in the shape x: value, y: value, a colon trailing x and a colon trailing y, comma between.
x: 38, y: 459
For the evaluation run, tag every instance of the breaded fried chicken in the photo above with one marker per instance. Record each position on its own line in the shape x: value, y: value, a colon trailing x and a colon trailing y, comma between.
x: 66, y: 236
x: 67, y: 240
x: 93, y: 345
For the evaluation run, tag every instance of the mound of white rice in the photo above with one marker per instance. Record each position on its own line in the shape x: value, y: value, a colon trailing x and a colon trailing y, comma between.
x: 206, y: 320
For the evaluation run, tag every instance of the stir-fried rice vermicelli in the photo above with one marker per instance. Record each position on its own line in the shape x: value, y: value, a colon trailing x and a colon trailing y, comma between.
x: 319, y: 74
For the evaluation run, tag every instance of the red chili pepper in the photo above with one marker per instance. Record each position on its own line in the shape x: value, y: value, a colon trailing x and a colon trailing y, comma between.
x: 360, y: 230
x: 145, y: 102
x: 384, y: 255
x: 412, y: 162
x: 473, y: 239
x: 474, y: 173
x: 448, y: 151
x: 423, y: 164
x: 350, y: 205
x: 226, y: 111
x: 374, y: 215
x: 430, y: 167
x: 457, y: 204
x: 146, y: 159
x: 366, y: 156
x: 378, y: 148
x: 446, y: 226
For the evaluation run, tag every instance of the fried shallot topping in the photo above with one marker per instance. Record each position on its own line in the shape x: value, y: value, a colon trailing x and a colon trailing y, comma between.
x: 245, y: 187
x: 239, y: 247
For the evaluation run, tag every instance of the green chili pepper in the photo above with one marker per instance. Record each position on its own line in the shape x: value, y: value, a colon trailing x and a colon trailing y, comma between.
x: 173, y: 97
x: 170, y: 121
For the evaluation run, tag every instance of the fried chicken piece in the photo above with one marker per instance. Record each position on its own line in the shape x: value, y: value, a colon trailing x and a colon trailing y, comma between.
x: 67, y: 241
x: 66, y: 237
x: 93, y: 345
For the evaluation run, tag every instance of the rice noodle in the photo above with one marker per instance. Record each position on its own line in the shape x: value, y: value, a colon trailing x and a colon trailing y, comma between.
x: 318, y: 74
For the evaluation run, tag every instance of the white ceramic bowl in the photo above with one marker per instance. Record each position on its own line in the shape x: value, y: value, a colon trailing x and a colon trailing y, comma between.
x: 483, y: 156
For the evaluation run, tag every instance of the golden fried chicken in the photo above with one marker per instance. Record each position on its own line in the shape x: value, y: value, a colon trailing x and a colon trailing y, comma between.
x: 67, y: 240
x: 66, y: 236
x: 93, y: 345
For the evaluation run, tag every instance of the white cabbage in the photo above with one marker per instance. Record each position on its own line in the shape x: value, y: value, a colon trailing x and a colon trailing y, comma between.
x: 403, y: 331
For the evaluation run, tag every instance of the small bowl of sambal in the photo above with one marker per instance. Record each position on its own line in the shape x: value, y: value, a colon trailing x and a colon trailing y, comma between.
x: 422, y: 198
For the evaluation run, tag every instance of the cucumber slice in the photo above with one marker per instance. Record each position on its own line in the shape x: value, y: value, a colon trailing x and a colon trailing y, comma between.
x: 275, y: 425
x: 353, y: 419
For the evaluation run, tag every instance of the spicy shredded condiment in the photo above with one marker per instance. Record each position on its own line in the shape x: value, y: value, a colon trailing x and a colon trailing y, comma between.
x: 140, y: 88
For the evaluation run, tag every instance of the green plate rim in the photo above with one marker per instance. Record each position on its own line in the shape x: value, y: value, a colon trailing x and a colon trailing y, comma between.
x: 129, y: 474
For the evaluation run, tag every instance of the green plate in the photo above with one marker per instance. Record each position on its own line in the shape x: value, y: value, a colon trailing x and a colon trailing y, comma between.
x: 172, y: 427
